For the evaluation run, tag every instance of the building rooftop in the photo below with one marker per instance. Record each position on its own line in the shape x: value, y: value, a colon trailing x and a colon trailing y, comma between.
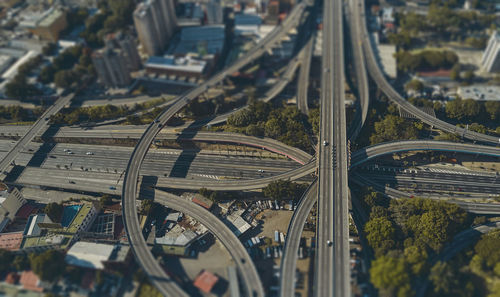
x: 177, y: 237
x: 202, y: 40
x: 89, y: 254
x: 202, y: 201
x: 186, y: 64
x: 80, y: 216
x: 48, y: 19
x: 205, y: 281
x: 30, y: 281
x: 480, y: 92
x: 237, y: 224
x: 11, y: 241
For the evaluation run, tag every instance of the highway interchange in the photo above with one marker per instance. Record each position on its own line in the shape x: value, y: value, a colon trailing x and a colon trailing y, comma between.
x: 332, y: 276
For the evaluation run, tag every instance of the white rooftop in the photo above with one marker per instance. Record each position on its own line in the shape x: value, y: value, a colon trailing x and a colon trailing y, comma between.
x: 480, y: 92
x: 89, y: 254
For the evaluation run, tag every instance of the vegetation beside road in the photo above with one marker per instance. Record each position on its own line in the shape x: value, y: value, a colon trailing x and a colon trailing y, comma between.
x: 71, y: 116
x: 16, y: 113
x: 285, y: 124
x: 404, y: 235
x: 442, y: 23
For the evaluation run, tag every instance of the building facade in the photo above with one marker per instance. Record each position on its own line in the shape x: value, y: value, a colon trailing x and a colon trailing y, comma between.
x: 155, y: 23
x: 491, y: 55
x: 214, y: 12
x: 111, y: 67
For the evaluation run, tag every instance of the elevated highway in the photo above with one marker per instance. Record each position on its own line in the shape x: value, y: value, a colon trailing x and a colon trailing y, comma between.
x: 129, y: 190
x: 38, y: 127
x: 332, y: 277
x: 358, y: 16
x: 234, y: 246
x: 290, y: 251
x: 368, y: 153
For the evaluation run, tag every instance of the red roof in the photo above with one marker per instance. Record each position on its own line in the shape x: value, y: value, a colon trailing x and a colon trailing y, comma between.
x: 205, y: 281
x: 87, y: 282
x: 437, y: 73
x: 202, y: 201
x: 11, y: 241
x: 12, y: 278
x: 25, y: 211
x: 30, y: 281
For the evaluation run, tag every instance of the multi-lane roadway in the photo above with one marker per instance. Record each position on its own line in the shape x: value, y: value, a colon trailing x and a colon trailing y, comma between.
x: 129, y: 190
x: 38, y: 127
x: 332, y: 277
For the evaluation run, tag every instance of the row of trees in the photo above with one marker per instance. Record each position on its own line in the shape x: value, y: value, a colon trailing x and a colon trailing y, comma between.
x: 48, y: 265
x: 284, y: 190
x: 426, y: 60
x: 404, y: 234
x: 72, y: 116
x: 443, y: 23
x: 18, y: 113
x: 19, y: 87
x: 285, y: 124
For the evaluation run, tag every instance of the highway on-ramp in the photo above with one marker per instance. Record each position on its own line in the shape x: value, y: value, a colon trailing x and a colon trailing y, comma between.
x: 40, y: 125
x: 129, y: 190
x: 379, y: 78
x: 222, y: 232
x: 292, y: 241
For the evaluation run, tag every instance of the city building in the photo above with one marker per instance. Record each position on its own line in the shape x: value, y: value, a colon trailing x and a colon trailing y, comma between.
x: 205, y: 281
x: 214, y: 12
x: 202, y: 201
x: 155, y: 23
x: 48, y: 25
x: 111, y: 67
x: 273, y: 11
x: 75, y: 220
x: 11, y: 241
x: 10, y: 202
x: 206, y: 40
x: 189, y: 14
x: 89, y: 255
x: 479, y: 92
x: 181, y: 67
x: 236, y: 223
x: 127, y: 44
x: 32, y: 226
x: 177, y: 241
x: 491, y: 55
x: 247, y: 24
x: 30, y: 281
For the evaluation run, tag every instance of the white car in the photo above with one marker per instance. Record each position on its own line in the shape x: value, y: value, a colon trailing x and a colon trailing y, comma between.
x: 90, y: 153
x: 325, y: 143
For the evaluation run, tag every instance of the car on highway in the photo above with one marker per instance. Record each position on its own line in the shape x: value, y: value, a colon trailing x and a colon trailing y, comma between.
x: 261, y: 170
x: 329, y: 243
x: 112, y: 188
x: 46, y: 119
x: 90, y: 153
x: 70, y: 152
x: 325, y: 143
x: 71, y: 182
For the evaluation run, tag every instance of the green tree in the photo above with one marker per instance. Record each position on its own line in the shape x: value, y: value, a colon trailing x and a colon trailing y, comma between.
x: 49, y: 265
x: 443, y: 278
x: 105, y: 200
x: 283, y: 189
x: 54, y: 211
x: 380, y: 234
x: 21, y: 263
x: 5, y: 260
x: 391, y: 276
x: 415, y: 85
x: 393, y: 128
